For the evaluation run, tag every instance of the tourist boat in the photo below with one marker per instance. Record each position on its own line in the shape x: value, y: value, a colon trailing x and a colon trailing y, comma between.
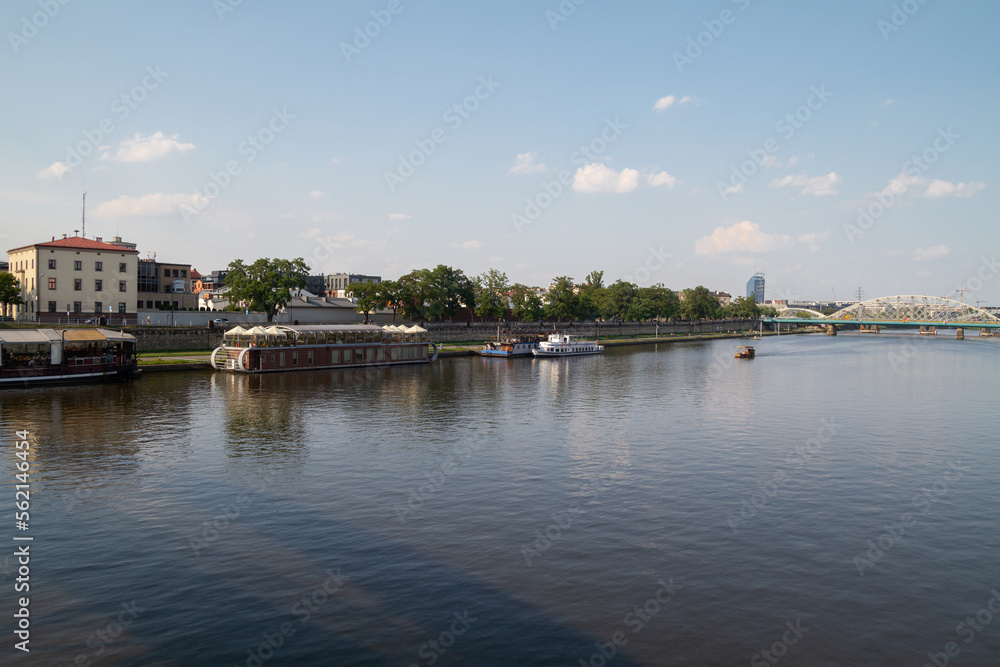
x: 745, y: 352
x: 519, y: 346
x: 30, y: 357
x: 564, y: 345
x: 320, y: 346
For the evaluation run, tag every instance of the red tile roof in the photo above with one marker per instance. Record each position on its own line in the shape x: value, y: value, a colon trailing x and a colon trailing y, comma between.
x: 78, y: 242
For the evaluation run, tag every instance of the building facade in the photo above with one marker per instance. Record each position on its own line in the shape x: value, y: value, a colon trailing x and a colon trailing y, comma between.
x: 164, y: 285
x: 337, y: 282
x: 755, y: 287
x: 76, y: 278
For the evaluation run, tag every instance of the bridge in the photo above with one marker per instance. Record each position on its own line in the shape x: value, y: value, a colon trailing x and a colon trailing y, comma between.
x: 915, y: 311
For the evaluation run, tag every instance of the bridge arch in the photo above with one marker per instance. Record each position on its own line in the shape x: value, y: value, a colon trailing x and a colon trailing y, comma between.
x: 914, y: 308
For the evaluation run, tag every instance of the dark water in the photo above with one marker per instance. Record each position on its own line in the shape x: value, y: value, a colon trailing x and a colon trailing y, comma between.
x: 687, y: 506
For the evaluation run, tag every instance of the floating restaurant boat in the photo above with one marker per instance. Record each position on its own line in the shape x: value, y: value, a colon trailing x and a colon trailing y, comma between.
x: 519, y: 346
x: 745, y: 352
x: 320, y: 346
x: 564, y: 345
x: 30, y: 357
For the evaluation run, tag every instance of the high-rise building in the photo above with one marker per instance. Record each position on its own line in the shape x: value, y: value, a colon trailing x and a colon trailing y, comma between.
x: 755, y: 287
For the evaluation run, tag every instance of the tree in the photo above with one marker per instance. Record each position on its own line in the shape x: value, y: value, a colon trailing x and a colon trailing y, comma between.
x: 448, y: 291
x: 389, y: 296
x: 265, y: 286
x: 369, y: 296
x: 525, y: 303
x: 664, y: 301
x: 588, y: 300
x: 491, y: 294
x: 562, y: 301
x: 616, y: 299
x: 744, y: 306
x: 699, y: 304
x: 768, y: 311
x: 412, y: 294
x: 10, y: 292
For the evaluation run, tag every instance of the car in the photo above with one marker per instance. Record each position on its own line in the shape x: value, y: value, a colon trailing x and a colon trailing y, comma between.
x: 219, y: 320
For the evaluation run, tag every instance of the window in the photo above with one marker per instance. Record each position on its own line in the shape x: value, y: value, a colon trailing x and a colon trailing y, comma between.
x: 52, y: 263
x: 166, y: 273
x: 149, y: 304
x: 121, y: 307
x: 77, y: 284
x: 98, y: 266
x: 52, y: 306
x: 139, y: 306
x: 122, y: 267
x: 98, y: 307
x: 77, y: 265
x: 175, y: 273
x: 52, y: 283
x: 184, y: 273
x: 122, y: 286
x: 166, y: 289
x: 98, y: 285
x: 77, y: 307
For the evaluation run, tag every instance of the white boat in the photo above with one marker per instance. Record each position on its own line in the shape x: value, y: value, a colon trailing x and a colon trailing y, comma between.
x: 564, y: 345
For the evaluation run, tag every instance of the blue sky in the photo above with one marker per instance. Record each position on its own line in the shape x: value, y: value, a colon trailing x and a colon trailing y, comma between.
x: 721, y: 138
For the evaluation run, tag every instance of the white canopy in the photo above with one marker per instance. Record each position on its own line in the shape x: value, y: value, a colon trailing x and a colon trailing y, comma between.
x: 236, y: 331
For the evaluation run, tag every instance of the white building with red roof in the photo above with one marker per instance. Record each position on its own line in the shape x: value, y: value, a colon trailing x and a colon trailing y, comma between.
x: 77, y: 278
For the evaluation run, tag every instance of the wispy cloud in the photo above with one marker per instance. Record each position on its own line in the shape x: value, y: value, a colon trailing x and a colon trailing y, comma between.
x: 470, y: 245
x: 665, y: 103
x: 662, y: 178
x: 150, y: 205
x: 924, y: 254
x: 147, y: 148
x: 813, y: 239
x: 316, y: 194
x: 930, y: 188
x: 525, y: 164
x: 810, y: 185
x: 54, y: 171
x: 400, y: 216
x: 743, y: 237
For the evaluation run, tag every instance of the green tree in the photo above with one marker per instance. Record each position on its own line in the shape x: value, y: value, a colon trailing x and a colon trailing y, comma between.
x: 389, y: 296
x: 525, y: 303
x: 662, y: 302
x: 768, y: 311
x: 589, y: 297
x: 491, y: 294
x: 562, y: 301
x: 616, y: 300
x: 369, y: 297
x: 743, y: 306
x: 412, y: 294
x: 448, y: 291
x: 265, y: 286
x: 10, y: 292
x: 699, y: 304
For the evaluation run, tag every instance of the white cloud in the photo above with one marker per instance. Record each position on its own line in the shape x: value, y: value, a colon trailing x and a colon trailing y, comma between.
x: 743, y: 237
x: 888, y: 103
x: 665, y: 103
x: 813, y: 239
x: 924, y: 254
x: 155, y: 204
x: 470, y: 245
x: 525, y: 164
x: 400, y: 216
x: 54, y: 171
x: 596, y: 177
x: 810, y: 185
x: 316, y: 194
x: 931, y: 188
x: 662, y: 178
x: 148, y: 148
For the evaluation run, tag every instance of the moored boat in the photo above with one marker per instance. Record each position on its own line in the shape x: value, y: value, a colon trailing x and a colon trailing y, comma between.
x: 320, y: 346
x: 30, y: 357
x: 565, y: 345
x: 519, y: 346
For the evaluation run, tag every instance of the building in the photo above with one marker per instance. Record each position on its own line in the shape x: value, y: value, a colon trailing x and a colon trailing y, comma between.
x: 725, y: 298
x: 214, y: 281
x: 164, y: 285
x: 755, y: 287
x: 336, y: 283
x: 317, y: 285
x: 76, y: 278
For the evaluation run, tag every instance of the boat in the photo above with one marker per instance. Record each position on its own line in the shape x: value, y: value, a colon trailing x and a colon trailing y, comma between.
x: 564, y: 345
x: 745, y: 352
x: 320, y: 346
x: 32, y: 357
x: 514, y: 346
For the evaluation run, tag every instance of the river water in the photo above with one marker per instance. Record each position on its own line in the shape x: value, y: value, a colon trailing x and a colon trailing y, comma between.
x: 835, y: 501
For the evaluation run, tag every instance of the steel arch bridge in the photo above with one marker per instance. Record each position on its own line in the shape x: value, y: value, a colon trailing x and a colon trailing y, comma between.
x: 906, y: 310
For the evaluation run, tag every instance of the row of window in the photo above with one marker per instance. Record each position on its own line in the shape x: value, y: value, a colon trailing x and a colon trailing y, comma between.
x: 98, y: 285
x: 98, y: 266
x: 78, y: 307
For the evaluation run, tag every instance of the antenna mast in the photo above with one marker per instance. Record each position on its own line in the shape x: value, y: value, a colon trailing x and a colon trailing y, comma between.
x: 84, y: 217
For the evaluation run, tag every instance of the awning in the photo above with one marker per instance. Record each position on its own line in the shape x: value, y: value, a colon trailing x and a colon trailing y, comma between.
x: 22, y: 336
x: 83, y: 336
x: 236, y: 331
x: 117, y: 336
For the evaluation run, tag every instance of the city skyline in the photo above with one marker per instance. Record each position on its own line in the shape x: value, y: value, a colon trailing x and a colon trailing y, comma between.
x: 685, y: 145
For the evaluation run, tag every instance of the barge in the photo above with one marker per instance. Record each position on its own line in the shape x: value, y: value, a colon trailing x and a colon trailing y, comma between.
x: 320, y: 346
x: 565, y: 345
x: 32, y: 357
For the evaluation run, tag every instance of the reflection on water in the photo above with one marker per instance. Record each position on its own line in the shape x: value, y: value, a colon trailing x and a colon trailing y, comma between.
x: 486, y: 511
